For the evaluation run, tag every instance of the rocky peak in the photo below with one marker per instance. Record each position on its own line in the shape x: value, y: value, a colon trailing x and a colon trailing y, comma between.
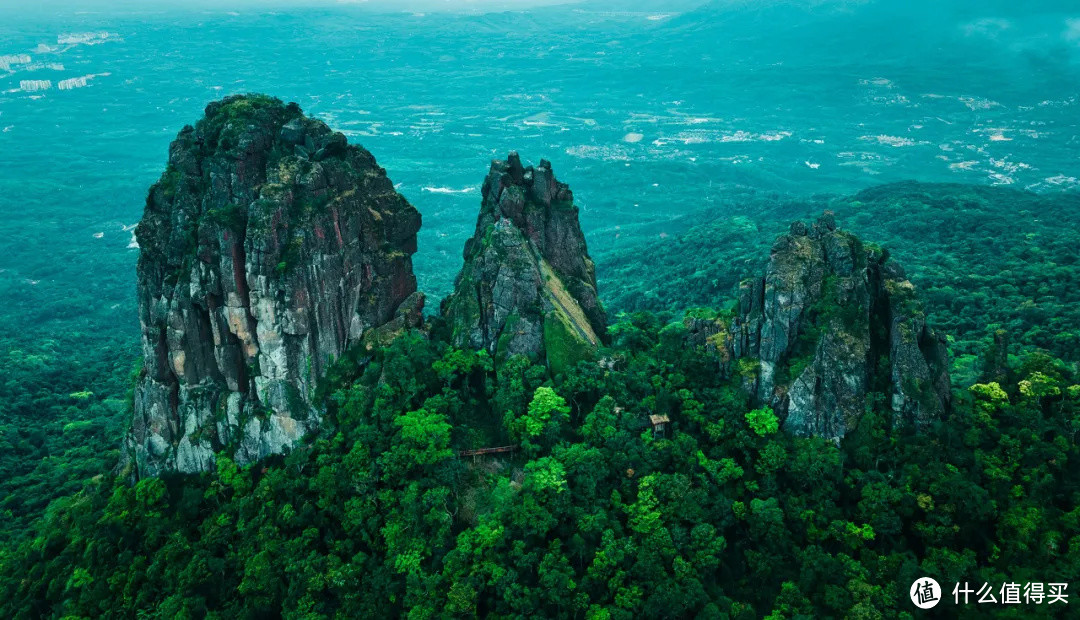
x: 269, y: 246
x: 831, y: 322
x: 528, y: 285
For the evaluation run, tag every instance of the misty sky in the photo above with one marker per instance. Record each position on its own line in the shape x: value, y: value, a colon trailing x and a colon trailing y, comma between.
x: 392, y: 5
x: 989, y: 6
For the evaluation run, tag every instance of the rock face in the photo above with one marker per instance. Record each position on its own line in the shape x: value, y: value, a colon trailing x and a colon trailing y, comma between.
x: 995, y: 362
x: 269, y: 246
x: 830, y: 323
x: 528, y: 285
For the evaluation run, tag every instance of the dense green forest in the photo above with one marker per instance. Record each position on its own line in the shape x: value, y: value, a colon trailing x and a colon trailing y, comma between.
x: 63, y: 411
x: 593, y: 514
x: 984, y: 258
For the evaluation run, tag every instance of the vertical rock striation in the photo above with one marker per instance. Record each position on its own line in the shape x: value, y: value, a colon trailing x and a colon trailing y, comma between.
x: 528, y: 285
x: 269, y: 246
x: 832, y: 322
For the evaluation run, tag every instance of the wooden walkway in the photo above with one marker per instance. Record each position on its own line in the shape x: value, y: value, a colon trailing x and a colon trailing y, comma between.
x: 481, y: 451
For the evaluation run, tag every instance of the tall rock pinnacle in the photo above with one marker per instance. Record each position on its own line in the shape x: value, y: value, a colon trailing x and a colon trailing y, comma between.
x: 831, y: 322
x: 528, y: 285
x: 269, y: 246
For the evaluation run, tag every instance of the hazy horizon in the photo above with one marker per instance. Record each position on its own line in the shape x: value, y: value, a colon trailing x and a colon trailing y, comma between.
x: 374, y: 5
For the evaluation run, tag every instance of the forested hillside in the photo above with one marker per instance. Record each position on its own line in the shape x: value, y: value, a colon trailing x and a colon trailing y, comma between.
x: 984, y: 259
x: 63, y: 411
x: 592, y: 511
x: 592, y: 515
x: 591, y: 309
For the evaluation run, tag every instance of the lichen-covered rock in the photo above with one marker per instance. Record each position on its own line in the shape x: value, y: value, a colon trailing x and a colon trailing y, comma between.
x: 269, y: 246
x: 528, y: 286
x: 708, y: 333
x: 832, y: 322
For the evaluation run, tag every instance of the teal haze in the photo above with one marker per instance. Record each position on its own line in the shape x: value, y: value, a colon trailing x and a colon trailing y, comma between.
x: 650, y: 114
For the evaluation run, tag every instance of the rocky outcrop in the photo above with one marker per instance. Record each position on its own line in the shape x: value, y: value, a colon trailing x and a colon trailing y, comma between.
x: 995, y: 360
x: 267, y: 249
x: 528, y: 286
x: 832, y: 322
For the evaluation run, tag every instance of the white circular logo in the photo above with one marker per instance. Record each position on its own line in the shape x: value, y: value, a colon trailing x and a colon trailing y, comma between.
x: 925, y: 593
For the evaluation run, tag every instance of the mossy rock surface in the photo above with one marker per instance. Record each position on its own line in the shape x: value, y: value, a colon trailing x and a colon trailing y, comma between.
x: 563, y: 346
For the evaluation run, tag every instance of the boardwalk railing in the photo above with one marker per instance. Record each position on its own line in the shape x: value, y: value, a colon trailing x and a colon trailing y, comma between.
x: 480, y: 451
